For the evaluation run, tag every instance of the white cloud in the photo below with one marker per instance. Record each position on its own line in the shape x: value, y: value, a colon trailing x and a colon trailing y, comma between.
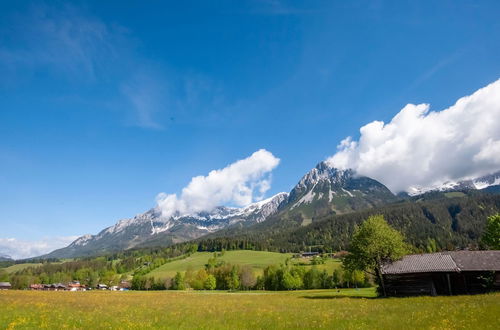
x: 234, y: 184
x: 20, y: 249
x: 419, y: 148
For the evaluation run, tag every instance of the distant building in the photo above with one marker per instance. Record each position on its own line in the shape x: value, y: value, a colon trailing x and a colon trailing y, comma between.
x: 309, y: 254
x: 58, y: 287
x: 443, y: 273
x: 76, y: 286
x: 124, y: 285
x: 102, y: 287
x: 5, y: 286
x: 37, y: 287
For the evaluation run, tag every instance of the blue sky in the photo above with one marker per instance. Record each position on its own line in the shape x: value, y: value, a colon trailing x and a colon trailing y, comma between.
x: 105, y: 105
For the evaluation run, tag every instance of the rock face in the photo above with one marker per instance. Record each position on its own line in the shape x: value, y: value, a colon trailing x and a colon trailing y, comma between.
x: 325, y: 189
x: 152, y: 228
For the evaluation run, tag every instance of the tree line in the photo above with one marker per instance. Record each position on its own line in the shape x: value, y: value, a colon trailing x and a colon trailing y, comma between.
x: 218, y: 275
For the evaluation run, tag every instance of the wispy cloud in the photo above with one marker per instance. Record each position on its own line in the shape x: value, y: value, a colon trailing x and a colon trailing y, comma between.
x: 148, y: 96
x: 64, y: 40
x: 75, y: 47
x: 21, y: 249
x: 428, y: 74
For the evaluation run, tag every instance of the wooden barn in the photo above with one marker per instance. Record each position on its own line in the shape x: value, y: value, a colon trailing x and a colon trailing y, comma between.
x: 443, y: 273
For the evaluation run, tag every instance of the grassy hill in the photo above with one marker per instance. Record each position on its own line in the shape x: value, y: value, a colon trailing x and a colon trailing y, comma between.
x: 18, y: 267
x: 258, y: 260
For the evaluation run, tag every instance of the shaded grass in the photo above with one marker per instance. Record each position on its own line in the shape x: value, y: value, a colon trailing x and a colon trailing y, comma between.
x: 257, y: 310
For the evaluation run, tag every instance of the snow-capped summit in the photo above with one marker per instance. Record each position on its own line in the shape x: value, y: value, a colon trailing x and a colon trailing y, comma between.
x: 324, y: 172
x: 326, y: 188
x: 152, y: 227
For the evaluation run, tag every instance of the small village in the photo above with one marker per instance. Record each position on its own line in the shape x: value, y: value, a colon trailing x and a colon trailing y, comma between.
x: 71, y: 286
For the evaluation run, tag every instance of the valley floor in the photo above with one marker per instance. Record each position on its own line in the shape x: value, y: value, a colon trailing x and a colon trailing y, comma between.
x: 346, y: 309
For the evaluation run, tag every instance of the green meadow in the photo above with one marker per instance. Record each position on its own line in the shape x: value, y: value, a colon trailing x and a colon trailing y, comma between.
x: 258, y: 260
x: 347, y: 309
x: 18, y: 267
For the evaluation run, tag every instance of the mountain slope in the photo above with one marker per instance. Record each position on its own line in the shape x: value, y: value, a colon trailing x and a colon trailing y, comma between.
x: 325, y: 190
x: 152, y: 228
x: 322, y: 191
x: 446, y: 223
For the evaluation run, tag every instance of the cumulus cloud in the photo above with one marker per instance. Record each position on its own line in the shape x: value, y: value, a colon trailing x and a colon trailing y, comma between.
x: 20, y: 249
x: 239, y: 183
x: 419, y: 148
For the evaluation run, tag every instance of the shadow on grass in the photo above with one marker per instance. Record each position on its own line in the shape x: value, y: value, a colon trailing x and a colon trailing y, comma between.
x: 331, y: 296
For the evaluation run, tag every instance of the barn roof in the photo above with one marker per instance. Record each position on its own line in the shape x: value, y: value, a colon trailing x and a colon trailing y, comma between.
x: 454, y: 261
x: 476, y: 260
x: 421, y: 263
x: 5, y: 284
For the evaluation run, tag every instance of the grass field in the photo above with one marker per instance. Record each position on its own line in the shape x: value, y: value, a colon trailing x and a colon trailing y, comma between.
x: 258, y: 260
x: 17, y: 267
x: 349, y: 309
x: 329, y: 265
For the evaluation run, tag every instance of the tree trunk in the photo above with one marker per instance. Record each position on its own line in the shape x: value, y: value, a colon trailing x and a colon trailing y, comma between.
x: 381, y: 280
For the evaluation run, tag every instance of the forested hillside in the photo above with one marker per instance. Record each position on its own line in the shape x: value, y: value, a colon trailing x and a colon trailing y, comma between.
x: 433, y: 224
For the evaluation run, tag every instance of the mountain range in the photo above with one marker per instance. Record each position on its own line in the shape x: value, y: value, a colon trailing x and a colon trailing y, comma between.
x: 324, y: 190
x: 4, y: 257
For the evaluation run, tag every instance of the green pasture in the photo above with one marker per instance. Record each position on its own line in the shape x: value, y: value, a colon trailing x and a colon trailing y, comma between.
x: 258, y: 260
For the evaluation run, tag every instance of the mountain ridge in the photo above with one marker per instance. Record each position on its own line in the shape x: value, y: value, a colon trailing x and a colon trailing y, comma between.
x: 322, y: 191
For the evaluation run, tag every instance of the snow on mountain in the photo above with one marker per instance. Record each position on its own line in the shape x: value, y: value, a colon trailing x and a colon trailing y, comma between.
x: 487, y: 181
x: 325, y: 188
x: 152, y: 225
x: 473, y: 184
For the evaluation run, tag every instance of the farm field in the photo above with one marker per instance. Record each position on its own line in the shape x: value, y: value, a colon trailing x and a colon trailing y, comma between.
x: 258, y: 260
x: 347, y: 309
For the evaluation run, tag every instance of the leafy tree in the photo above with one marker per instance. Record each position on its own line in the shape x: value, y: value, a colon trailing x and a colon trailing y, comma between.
x: 167, y: 283
x: 491, y: 235
x: 178, y: 282
x: 292, y: 280
x: 372, y: 244
x: 338, y: 277
x: 312, y: 279
x: 198, y: 282
x: 210, y: 283
x: 233, y: 280
x: 247, y: 278
x: 431, y: 245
